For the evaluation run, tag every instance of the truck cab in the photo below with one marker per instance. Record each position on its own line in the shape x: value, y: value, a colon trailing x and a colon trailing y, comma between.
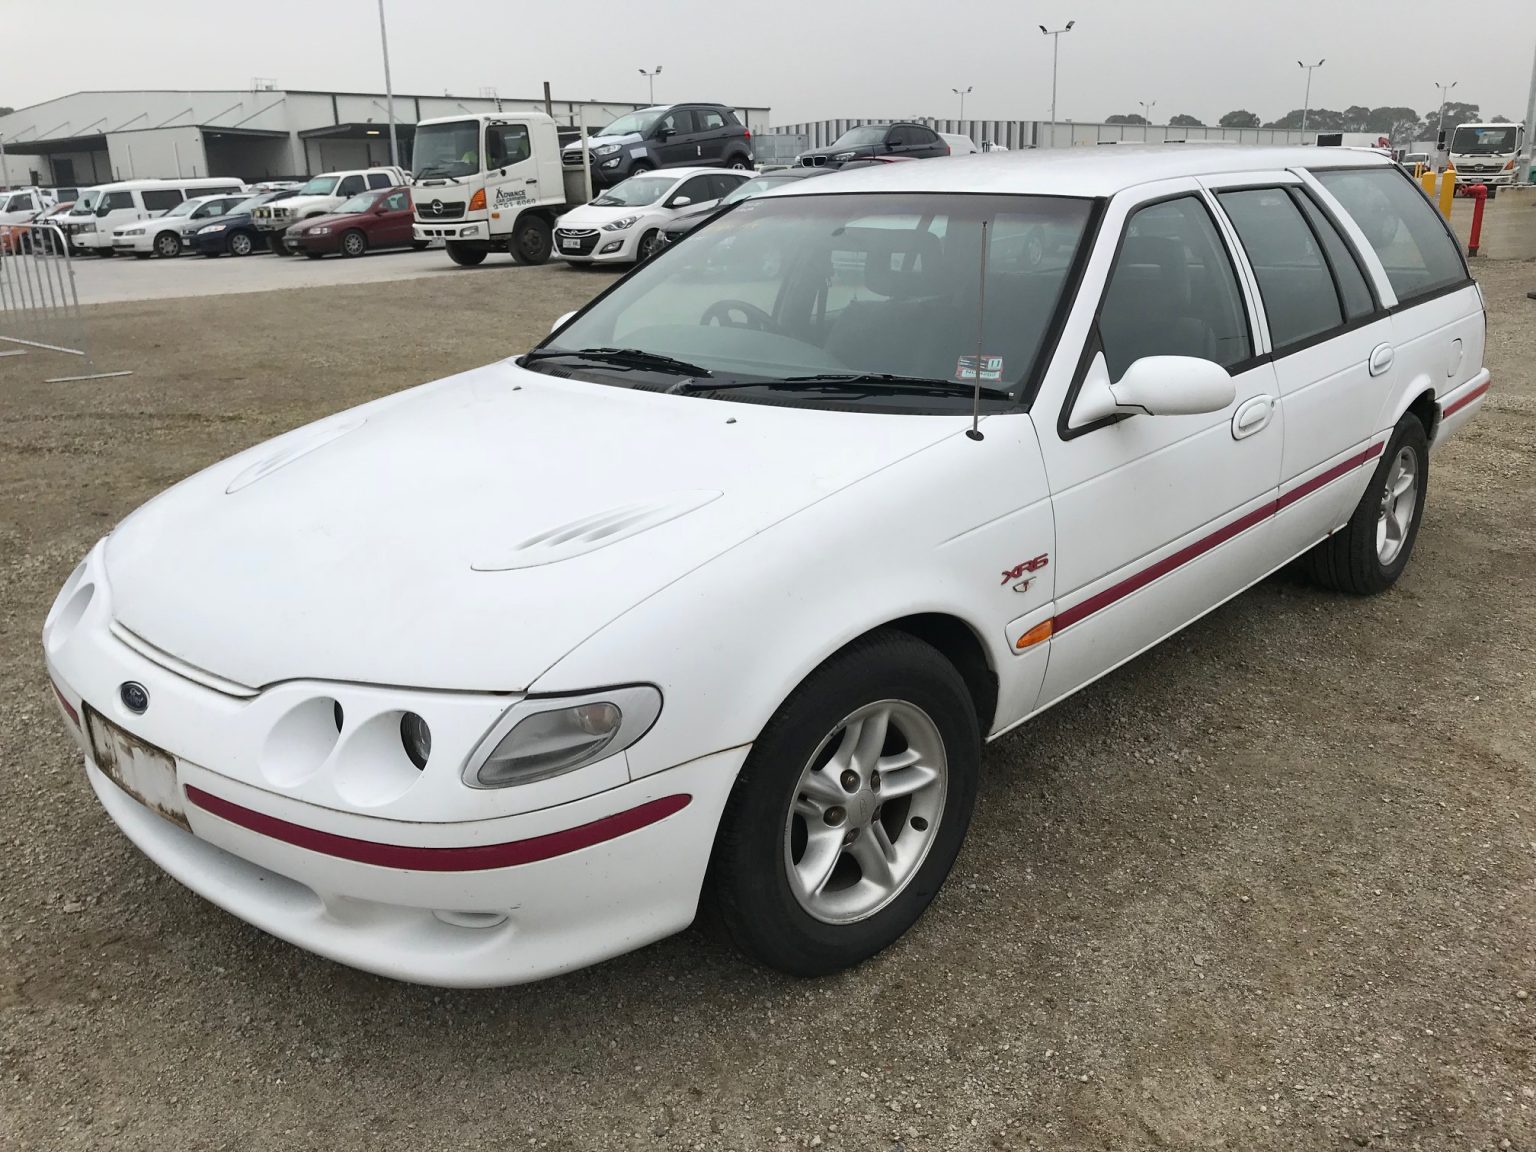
x: 20, y: 205
x: 1487, y: 154
x: 491, y: 182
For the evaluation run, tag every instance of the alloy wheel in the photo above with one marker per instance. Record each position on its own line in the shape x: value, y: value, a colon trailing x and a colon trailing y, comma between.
x: 1399, y: 499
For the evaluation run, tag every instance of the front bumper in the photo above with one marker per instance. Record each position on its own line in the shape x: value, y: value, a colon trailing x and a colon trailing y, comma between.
x: 601, y: 248
x: 143, y: 243
x: 96, y: 239
x: 1499, y: 177
x: 442, y: 885
x: 473, y: 230
x: 325, y: 244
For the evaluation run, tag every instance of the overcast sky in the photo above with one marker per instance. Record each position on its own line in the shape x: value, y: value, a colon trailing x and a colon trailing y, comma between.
x: 807, y: 59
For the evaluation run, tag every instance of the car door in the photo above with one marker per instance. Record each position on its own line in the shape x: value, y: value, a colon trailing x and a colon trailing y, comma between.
x: 898, y: 141
x: 511, y: 172
x: 710, y: 135
x: 393, y: 215
x: 695, y: 194
x: 1158, y: 518
x: 1331, y: 344
x: 676, y: 144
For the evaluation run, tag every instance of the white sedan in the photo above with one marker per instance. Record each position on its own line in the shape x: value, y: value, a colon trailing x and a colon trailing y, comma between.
x: 624, y: 224
x: 735, y: 573
x: 166, y: 235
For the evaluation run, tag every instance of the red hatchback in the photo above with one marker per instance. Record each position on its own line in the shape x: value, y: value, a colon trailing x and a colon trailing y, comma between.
x: 378, y: 218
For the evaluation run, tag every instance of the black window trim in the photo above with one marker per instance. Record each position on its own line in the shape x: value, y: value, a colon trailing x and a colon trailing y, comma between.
x: 1433, y: 293
x: 1094, y: 343
x: 1377, y: 308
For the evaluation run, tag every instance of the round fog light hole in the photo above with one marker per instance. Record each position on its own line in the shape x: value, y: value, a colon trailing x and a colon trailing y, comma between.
x: 416, y: 738
x: 300, y: 742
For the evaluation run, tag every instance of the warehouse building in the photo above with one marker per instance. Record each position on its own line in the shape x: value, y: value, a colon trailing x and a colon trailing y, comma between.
x: 261, y: 134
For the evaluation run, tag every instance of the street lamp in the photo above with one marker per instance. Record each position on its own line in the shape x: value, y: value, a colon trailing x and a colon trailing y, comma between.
x: 651, y: 76
x: 1306, y: 101
x: 389, y: 92
x: 1055, y: 57
x: 961, y: 92
x: 1445, y: 90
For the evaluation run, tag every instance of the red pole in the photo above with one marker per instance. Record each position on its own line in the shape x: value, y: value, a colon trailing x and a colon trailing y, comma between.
x: 1480, y: 193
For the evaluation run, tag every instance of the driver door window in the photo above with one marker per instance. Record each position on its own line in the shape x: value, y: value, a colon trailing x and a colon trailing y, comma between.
x: 898, y: 139
x: 506, y: 144
x: 350, y: 186
x: 697, y: 190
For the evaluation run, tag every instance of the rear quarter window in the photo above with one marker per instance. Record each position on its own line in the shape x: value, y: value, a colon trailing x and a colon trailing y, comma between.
x: 1408, y: 234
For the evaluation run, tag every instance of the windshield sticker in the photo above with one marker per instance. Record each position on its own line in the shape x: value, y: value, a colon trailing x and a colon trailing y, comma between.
x: 991, y: 369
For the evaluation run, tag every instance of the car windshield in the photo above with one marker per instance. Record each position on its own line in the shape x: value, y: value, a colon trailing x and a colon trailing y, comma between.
x: 756, y: 187
x: 319, y: 186
x: 245, y: 205
x: 636, y: 192
x: 864, y: 137
x: 450, y: 149
x: 185, y: 208
x: 1483, y: 141
x: 637, y: 122
x: 87, y: 202
x: 847, y: 289
x: 356, y: 204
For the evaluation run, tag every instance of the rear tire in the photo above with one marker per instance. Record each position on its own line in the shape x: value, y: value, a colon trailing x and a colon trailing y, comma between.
x: 1369, y: 553
x: 466, y: 255
x: 354, y: 243
x: 793, y: 816
x: 531, y: 241
x: 740, y: 163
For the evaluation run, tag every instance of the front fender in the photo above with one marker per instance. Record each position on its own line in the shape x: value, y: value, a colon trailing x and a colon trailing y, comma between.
x: 934, y: 533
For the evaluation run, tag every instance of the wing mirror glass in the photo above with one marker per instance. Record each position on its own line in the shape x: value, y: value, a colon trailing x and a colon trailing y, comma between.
x: 1154, y: 386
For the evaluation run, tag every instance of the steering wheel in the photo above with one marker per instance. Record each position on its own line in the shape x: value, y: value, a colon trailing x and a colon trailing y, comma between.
x: 722, y: 312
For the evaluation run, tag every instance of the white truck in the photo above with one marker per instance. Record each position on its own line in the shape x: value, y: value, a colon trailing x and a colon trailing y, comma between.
x: 20, y: 205
x: 1487, y: 154
x: 492, y: 182
x: 319, y: 196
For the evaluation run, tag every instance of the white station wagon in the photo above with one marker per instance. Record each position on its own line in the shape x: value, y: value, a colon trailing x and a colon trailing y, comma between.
x: 717, y: 594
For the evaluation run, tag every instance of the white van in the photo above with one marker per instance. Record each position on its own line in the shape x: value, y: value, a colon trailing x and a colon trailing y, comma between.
x: 90, y: 222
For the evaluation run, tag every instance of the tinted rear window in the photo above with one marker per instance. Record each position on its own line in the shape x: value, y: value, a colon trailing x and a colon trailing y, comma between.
x: 1406, y: 231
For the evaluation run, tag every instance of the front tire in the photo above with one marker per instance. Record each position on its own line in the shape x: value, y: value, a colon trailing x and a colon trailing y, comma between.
x: 649, y: 245
x: 354, y: 243
x: 240, y: 244
x: 465, y: 255
x: 168, y: 244
x: 1369, y: 553
x: 532, y: 240
x: 851, y: 808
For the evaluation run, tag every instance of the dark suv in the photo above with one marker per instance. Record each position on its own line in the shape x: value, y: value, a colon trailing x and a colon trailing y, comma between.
x: 914, y: 140
x: 670, y: 136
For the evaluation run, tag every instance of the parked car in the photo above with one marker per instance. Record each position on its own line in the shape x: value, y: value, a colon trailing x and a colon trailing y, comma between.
x: 688, y: 220
x: 624, y: 223
x: 707, y: 583
x: 915, y: 141
x: 320, y: 196
x: 20, y: 205
x: 101, y: 210
x: 31, y: 235
x: 667, y: 136
x: 235, y: 232
x: 167, y: 235
x: 371, y: 220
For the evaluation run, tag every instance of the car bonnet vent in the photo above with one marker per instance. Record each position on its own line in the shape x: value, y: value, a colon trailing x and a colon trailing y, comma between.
x: 588, y: 534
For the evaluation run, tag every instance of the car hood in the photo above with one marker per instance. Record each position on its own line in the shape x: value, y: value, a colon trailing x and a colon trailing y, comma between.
x: 469, y: 533
x: 593, y: 215
x: 330, y: 219
x: 600, y: 141
x: 299, y: 203
x: 846, y: 153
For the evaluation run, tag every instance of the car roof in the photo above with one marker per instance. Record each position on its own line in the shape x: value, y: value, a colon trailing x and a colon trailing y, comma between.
x: 1080, y: 171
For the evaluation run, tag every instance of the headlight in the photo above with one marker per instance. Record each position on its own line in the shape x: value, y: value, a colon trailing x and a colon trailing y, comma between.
x: 606, y: 149
x: 620, y: 225
x: 211, y: 228
x: 133, y: 231
x: 551, y: 735
x: 320, y: 230
x: 88, y: 227
x: 845, y: 156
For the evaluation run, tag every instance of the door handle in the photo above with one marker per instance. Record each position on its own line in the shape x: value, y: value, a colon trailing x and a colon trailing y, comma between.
x: 1381, y: 359
x: 1252, y: 416
x: 531, y: 180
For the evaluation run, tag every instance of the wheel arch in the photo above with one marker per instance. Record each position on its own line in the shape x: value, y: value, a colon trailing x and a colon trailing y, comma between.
x: 958, y: 643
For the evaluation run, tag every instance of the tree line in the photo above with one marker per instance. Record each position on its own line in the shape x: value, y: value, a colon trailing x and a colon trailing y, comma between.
x: 1399, y: 124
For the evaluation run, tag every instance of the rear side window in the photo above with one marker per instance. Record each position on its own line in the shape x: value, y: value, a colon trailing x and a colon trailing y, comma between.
x: 1405, y: 230
x: 709, y: 120
x: 1347, y: 274
x: 1298, y: 292
x: 1173, y: 291
x: 161, y: 199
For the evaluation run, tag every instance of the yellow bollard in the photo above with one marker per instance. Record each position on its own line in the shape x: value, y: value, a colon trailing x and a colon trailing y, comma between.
x: 1427, y: 180
x: 1447, y: 190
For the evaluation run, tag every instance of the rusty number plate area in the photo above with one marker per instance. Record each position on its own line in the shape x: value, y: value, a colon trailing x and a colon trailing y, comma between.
x: 145, y: 772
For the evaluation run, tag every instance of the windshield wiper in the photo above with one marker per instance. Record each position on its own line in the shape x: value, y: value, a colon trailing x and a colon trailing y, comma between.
x: 623, y: 358
x: 855, y: 382
x: 430, y: 172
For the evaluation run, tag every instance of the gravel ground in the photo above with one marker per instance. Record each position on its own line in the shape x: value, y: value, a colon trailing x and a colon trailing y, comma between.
x: 1270, y: 886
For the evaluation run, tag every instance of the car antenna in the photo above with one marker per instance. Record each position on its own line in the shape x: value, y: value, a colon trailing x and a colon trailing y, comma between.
x: 981, y: 328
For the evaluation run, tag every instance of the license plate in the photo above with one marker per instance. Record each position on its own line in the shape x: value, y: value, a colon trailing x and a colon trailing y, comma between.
x: 570, y: 243
x: 145, y: 772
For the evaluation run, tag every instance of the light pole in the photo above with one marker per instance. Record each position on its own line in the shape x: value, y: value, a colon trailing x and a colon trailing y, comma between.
x: 389, y: 92
x: 1306, y: 101
x: 961, y: 92
x: 1445, y: 91
x: 651, y: 76
x: 1055, y: 58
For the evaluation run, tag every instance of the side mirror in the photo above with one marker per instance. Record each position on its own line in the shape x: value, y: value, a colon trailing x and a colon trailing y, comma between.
x: 665, y: 133
x: 1154, y: 386
x: 680, y: 201
x: 561, y: 322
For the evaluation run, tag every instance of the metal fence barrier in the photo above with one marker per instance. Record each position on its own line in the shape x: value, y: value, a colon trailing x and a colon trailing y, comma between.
x: 39, y: 304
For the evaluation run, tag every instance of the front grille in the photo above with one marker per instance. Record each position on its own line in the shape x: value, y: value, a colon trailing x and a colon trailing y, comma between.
x: 437, y: 210
x: 586, y: 240
x: 812, y: 161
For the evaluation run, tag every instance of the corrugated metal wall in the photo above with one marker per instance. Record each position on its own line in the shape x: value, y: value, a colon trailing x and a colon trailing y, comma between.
x: 1016, y: 134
